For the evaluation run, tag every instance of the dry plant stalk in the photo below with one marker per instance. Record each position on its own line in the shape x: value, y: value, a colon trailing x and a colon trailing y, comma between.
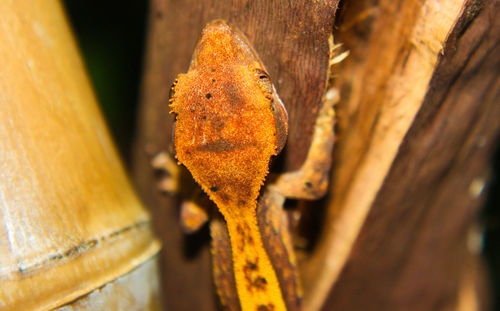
x: 388, y: 84
x: 70, y: 220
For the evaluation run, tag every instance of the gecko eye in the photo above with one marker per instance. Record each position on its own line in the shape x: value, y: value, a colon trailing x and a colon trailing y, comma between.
x: 264, y: 81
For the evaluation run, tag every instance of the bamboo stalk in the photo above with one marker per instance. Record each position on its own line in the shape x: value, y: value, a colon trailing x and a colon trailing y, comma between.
x: 71, y: 221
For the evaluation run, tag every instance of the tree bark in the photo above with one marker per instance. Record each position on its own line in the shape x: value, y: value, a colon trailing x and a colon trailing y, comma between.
x: 417, y: 126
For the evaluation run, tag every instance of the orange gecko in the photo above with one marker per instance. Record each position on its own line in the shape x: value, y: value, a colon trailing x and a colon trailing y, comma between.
x: 229, y: 123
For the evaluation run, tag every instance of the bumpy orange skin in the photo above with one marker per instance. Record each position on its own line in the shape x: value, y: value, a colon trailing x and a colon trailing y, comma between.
x: 229, y: 122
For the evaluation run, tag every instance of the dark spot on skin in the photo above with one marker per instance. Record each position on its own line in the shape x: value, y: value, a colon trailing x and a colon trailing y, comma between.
x: 217, y: 123
x: 222, y: 145
x: 192, y: 110
x: 208, y: 96
x: 224, y: 197
x: 213, y: 80
x: 260, y: 283
x: 233, y: 94
x: 217, y: 146
x: 72, y: 251
x: 268, y: 307
x: 214, y: 189
x: 239, y: 229
x: 55, y: 257
x: 246, y: 227
x: 255, y: 282
x: 251, y: 265
x: 246, y: 194
x: 204, y: 117
x: 245, y: 236
x: 308, y: 184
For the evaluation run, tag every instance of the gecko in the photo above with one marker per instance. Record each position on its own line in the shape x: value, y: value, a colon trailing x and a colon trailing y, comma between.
x: 229, y: 124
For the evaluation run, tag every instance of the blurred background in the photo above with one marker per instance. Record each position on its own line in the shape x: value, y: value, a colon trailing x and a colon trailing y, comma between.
x: 112, y: 38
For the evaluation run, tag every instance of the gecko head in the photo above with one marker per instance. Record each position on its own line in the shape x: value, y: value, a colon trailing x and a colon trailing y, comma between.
x: 229, y: 118
x: 221, y: 42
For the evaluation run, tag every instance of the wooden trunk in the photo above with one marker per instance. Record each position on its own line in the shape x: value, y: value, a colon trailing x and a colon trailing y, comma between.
x: 418, y: 122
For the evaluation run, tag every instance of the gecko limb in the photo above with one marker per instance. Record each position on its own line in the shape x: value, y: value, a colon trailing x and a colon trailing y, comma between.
x: 176, y: 180
x: 310, y: 182
x: 165, y: 163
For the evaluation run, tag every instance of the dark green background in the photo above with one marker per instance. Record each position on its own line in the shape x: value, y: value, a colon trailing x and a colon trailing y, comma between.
x: 111, y: 36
